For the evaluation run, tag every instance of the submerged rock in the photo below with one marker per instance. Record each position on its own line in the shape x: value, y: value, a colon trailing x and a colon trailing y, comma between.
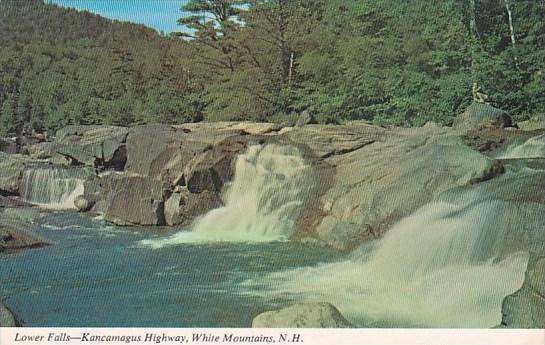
x: 12, y: 239
x: 303, y: 315
x: 7, y: 319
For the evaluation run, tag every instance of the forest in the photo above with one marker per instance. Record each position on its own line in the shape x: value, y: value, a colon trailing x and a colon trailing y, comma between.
x: 390, y: 62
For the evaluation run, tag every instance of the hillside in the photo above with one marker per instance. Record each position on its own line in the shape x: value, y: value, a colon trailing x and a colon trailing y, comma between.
x: 386, y: 61
x: 60, y: 66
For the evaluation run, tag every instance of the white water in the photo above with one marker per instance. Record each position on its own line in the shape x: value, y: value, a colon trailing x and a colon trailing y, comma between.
x: 52, y: 188
x: 531, y: 148
x: 435, y: 268
x: 261, y: 204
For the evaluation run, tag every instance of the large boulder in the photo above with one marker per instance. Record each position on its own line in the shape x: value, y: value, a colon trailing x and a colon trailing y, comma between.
x: 212, y: 168
x: 134, y: 200
x: 183, y: 206
x: 11, y: 169
x: 378, y: 184
x: 162, y: 152
x: 95, y: 146
x: 483, y: 115
x: 303, y: 315
x: 7, y: 319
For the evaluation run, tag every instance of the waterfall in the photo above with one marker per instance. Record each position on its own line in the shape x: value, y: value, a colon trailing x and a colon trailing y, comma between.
x: 262, y: 202
x: 531, y: 148
x: 53, y: 187
x: 439, y: 267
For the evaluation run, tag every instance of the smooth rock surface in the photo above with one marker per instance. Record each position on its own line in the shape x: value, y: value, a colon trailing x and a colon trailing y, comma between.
x: 303, y: 315
x: 526, y: 307
x: 380, y: 183
x: 134, y: 200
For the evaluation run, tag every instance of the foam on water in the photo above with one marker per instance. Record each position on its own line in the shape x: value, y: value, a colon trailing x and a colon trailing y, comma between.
x: 435, y: 268
x: 262, y: 203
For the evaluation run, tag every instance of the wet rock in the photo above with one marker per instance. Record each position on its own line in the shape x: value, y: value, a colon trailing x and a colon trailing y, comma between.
x: 13, y: 239
x: 183, y: 206
x: 83, y: 204
x: 526, y: 307
x: 7, y: 319
x: 303, y: 315
x: 211, y: 169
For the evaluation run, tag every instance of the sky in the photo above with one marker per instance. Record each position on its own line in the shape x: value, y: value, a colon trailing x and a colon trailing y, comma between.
x: 158, y: 14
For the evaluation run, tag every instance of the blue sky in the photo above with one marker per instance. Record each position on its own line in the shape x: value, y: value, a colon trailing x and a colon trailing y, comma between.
x: 158, y: 14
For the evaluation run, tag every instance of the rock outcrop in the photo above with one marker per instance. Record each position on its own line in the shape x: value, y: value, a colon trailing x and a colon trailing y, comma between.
x: 303, y: 315
x: 11, y: 169
x: 379, y: 183
x: 133, y: 200
x: 92, y: 146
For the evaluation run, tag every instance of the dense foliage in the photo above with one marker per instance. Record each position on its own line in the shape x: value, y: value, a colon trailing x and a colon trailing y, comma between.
x: 387, y: 61
x: 61, y: 66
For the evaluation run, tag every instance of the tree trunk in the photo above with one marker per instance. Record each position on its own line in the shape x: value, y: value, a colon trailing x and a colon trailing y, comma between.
x: 474, y: 35
x: 511, y: 29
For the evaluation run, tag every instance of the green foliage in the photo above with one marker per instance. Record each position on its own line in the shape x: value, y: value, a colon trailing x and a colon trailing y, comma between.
x: 61, y: 67
x: 390, y: 62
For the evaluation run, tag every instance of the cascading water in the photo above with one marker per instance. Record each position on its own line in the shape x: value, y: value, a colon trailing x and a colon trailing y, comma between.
x: 446, y: 265
x: 270, y: 185
x: 531, y: 148
x: 53, y: 187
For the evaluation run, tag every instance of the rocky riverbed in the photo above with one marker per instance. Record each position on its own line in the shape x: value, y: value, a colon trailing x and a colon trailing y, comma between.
x: 361, y: 180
